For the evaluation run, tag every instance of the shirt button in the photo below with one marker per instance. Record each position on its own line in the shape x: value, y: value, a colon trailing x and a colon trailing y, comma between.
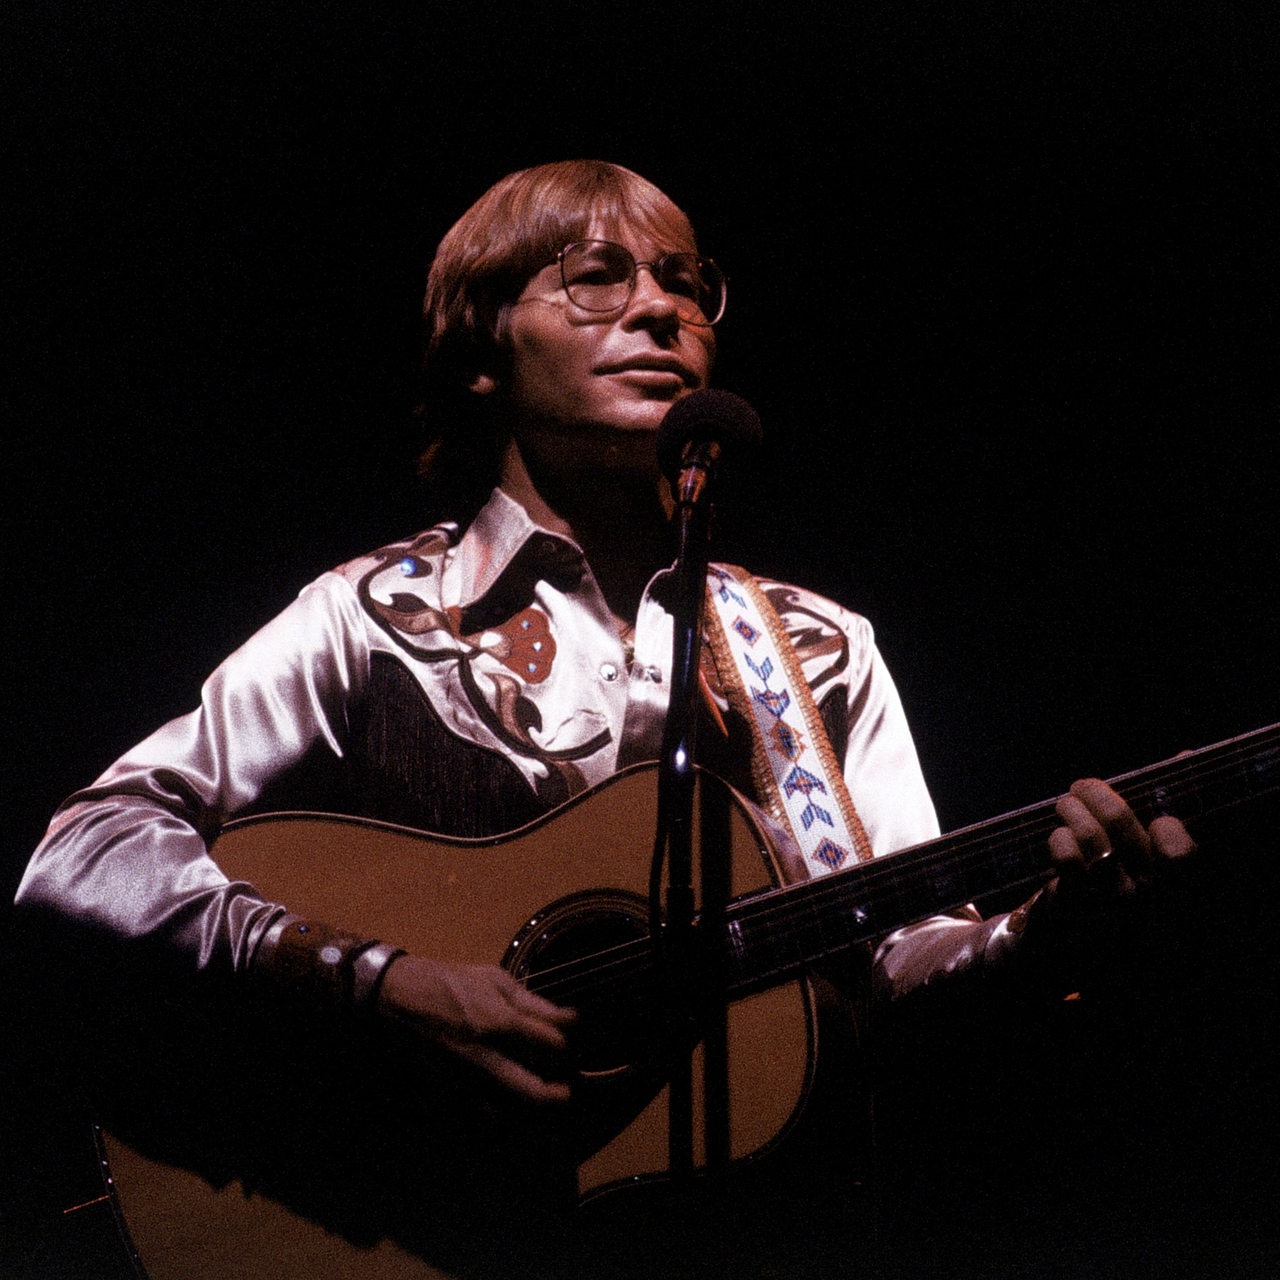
x: 608, y: 671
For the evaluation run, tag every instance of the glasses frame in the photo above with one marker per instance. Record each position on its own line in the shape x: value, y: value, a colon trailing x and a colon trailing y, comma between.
x: 655, y: 269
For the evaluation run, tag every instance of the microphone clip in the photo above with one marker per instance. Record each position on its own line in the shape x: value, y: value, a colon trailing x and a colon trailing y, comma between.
x: 696, y: 468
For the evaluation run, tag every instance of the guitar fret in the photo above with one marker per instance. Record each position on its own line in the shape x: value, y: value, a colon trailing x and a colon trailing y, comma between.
x: 776, y: 933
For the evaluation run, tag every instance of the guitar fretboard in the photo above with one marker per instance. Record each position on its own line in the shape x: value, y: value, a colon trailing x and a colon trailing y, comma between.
x: 772, y: 935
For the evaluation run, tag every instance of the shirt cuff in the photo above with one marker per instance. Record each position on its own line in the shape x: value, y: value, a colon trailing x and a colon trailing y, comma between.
x: 323, y: 963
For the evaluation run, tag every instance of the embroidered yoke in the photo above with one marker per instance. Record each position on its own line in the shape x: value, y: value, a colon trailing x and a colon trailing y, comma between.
x: 459, y: 681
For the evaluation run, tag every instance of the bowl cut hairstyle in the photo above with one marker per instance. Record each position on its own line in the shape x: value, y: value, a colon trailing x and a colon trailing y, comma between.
x: 481, y: 267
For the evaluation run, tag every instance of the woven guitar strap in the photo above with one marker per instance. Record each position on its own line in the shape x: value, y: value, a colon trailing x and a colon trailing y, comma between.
x: 797, y: 776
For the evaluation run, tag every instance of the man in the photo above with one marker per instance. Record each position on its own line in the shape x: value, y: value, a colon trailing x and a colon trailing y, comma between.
x: 472, y: 678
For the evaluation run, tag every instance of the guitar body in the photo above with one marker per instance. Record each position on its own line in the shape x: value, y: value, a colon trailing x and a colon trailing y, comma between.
x: 551, y: 898
x: 274, y: 1144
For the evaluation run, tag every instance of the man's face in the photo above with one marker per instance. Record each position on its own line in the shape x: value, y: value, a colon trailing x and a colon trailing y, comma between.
x: 589, y: 389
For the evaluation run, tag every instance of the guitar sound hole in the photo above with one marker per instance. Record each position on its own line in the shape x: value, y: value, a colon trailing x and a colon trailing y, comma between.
x: 590, y: 951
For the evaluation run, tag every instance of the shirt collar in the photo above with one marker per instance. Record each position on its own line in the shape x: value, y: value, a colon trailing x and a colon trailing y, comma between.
x: 502, y: 533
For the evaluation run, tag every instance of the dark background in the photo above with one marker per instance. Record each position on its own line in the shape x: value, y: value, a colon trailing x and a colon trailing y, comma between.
x: 1001, y: 286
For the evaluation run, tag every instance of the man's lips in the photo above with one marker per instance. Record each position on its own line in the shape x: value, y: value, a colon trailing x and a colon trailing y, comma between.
x: 661, y: 365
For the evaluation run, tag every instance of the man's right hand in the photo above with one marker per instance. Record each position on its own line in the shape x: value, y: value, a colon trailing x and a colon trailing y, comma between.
x: 481, y: 1015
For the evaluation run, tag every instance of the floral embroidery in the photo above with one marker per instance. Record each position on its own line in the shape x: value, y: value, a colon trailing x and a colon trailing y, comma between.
x: 524, y: 644
x: 814, y: 641
x: 495, y: 664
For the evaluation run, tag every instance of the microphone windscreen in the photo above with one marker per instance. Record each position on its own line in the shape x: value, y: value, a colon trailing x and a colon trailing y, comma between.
x: 709, y: 414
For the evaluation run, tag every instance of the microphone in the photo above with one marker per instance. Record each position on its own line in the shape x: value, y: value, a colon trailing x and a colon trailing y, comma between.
x: 697, y: 430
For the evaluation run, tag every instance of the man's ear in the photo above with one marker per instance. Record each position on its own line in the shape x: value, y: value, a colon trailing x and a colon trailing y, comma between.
x: 483, y: 384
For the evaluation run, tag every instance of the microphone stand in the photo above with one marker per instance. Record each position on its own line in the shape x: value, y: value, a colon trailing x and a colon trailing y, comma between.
x: 681, y: 963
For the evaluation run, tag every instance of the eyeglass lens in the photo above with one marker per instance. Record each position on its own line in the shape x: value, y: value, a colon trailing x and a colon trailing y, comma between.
x: 599, y: 275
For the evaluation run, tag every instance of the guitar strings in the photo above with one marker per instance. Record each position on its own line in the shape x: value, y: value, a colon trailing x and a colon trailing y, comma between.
x: 984, y: 845
x: 781, y: 919
x: 762, y: 912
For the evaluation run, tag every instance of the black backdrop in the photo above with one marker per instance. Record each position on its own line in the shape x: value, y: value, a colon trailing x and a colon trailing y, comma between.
x: 1002, y: 288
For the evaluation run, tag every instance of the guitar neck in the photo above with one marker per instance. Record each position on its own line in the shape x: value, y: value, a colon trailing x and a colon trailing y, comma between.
x: 771, y: 936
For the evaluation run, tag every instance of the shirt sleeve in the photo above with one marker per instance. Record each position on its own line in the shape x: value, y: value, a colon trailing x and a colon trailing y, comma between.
x: 129, y: 855
x: 882, y: 770
x: 881, y: 767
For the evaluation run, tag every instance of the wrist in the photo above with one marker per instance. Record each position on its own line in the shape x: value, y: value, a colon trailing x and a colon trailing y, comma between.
x: 325, y: 965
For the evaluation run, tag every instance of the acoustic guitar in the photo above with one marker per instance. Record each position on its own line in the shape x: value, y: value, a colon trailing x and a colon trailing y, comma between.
x: 564, y: 904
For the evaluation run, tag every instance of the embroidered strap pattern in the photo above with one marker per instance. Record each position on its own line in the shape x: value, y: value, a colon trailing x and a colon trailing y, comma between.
x: 796, y: 772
